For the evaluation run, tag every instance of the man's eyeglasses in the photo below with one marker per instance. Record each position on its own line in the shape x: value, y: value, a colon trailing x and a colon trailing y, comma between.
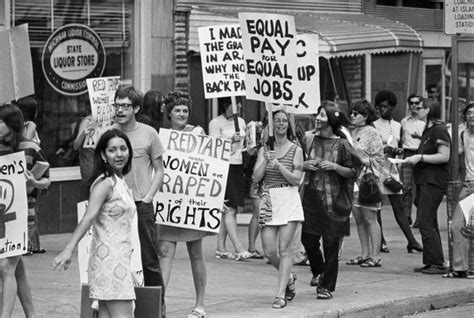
x: 124, y: 106
x: 411, y: 103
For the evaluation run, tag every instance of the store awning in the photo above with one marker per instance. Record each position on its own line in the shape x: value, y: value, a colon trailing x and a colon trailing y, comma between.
x: 340, y: 34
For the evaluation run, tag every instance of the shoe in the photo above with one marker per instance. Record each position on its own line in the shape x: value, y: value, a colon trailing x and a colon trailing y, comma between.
x: 256, y: 254
x: 416, y: 247
x: 242, y: 256
x: 422, y: 268
x: 224, y: 255
x: 434, y: 270
x: 372, y: 262
x: 197, y: 313
x: 40, y: 251
x: 456, y: 274
x: 290, y: 291
x: 357, y: 261
x: 304, y: 262
x: 323, y: 293
x: 279, y: 302
x: 314, y: 281
x: 384, y: 248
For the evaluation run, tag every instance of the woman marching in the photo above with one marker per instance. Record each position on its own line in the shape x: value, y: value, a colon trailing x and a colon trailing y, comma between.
x: 110, y: 211
x: 12, y: 269
x: 331, y: 167
x: 278, y: 169
x: 178, y: 107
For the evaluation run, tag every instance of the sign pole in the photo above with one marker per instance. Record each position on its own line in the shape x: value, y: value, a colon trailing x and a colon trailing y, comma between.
x: 235, y: 115
x: 271, y: 138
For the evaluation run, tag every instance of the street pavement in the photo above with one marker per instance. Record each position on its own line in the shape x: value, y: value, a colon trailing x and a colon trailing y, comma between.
x: 247, y: 288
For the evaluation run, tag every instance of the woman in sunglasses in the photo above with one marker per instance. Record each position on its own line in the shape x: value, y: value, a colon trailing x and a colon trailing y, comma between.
x: 431, y: 178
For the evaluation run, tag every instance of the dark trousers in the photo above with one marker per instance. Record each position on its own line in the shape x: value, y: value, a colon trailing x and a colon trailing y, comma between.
x: 148, y: 235
x: 327, y: 266
x: 428, y: 198
x: 401, y: 218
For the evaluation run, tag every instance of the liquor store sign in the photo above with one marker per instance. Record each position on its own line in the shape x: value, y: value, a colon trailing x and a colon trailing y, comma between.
x: 72, y: 54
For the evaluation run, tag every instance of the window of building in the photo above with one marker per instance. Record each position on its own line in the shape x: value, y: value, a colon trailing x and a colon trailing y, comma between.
x: 59, y: 114
x: 427, y: 4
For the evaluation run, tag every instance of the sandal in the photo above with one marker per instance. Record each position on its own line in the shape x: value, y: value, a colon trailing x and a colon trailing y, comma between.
x: 279, y: 302
x: 357, y: 261
x: 290, y: 291
x: 455, y: 274
x: 197, y: 313
x: 323, y: 293
x: 372, y: 262
x: 242, y: 256
x: 224, y: 255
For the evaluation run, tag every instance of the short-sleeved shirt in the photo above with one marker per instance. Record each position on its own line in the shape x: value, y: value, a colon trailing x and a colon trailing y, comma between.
x: 428, y: 173
x: 411, y: 126
x: 146, y: 147
x: 223, y: 128
x: 467, y: 141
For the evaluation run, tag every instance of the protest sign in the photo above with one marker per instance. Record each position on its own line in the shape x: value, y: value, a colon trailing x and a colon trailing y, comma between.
x: 16, y: 65
x: 101, y: 95
x: 307, y: 84
x: 269, y: 43
x: 223, y: 69
x: 13, y: 205
x: 83, y: 249
x: 196, y: 168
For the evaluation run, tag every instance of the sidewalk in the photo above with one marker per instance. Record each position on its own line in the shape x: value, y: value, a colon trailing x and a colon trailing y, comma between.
x: 246, y: 289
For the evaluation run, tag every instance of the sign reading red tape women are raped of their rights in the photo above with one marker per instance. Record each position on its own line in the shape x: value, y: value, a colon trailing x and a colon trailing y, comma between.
x: 101, y: 95
x: 223, y: 69
x: 269, y: 43
x: 196, y: 168
x: 13, y: 205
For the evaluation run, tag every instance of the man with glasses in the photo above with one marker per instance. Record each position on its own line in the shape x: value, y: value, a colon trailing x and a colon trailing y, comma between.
x: 144, y: 179
x: 412, y: 129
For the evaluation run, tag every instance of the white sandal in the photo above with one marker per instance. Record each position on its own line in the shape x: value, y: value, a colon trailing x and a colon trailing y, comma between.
x: 197, y: 313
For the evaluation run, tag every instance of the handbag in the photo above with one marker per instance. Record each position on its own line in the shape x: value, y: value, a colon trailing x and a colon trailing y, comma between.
x: 369, y: 191
x: 391, y: 183
x: 343, y: 204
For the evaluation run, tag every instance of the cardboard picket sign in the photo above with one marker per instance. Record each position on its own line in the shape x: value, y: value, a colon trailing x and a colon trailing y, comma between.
x: 16, y: 65
x: 223, y: 69
x: 83, y: 250
x: 101, y: 95
x: 196, y: 169
x: 148, y: 302
x: 269, y: 43
x: 307, y: 84
x: 13, y: 205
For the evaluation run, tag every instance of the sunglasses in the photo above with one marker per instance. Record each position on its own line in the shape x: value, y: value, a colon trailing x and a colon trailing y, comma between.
x: 414, y: 103
x: 354, y: 113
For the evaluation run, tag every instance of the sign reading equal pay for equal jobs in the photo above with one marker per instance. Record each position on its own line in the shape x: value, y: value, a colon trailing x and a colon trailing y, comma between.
x: 73, y: 53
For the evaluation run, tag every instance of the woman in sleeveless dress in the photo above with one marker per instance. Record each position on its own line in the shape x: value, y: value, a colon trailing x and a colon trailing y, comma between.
x: 110, y: 211
x: 277, y: 169
x: 178, y: 108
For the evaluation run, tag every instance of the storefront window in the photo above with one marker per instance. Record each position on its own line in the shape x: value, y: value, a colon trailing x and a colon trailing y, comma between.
x: 58, y: 114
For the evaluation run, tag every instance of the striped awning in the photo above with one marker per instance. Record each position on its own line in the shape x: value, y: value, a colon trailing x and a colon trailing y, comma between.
x: 340, y: 34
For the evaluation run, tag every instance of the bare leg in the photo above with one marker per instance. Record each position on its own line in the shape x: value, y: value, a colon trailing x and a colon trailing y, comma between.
x: 230, y: 219
x: 198, y: 268
x: 253, y: 226
x: 24, y: 290
x: 166, y: 250
x: 362, y: 231
x: 269, y: 235
x: 117, y: 308
x: 222, y: 236
x: 286, y: 234
x: 370, y: 217
x: 9, y: 286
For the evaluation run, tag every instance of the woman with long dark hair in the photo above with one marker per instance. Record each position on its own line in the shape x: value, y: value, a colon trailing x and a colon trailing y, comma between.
x: 331, y: 167
x: 280, y: 168
x: 110, y: 212
x: 12, y: 269
x: 431, y: 178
